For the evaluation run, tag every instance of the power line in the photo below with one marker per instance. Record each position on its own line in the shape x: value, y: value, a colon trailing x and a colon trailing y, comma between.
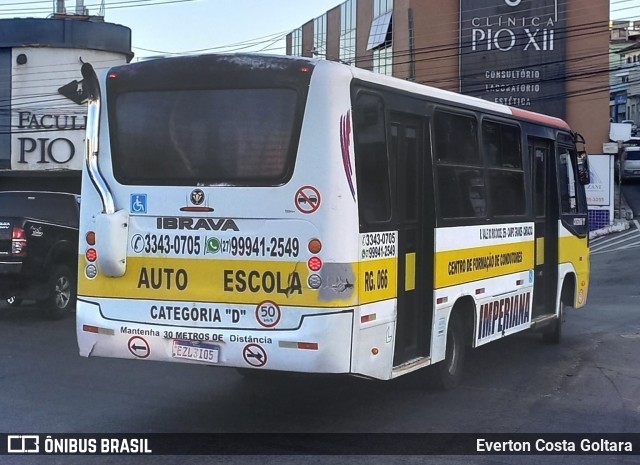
x: 113, y: 6
x: 265, y: 45
x: 268, y: 41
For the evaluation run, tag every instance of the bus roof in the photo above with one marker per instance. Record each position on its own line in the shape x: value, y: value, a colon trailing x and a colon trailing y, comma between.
x: 453, y: 97
x: 262, y: 61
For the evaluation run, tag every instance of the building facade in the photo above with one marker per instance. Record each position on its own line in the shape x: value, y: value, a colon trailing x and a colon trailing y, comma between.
x: 549, y: 56
x: 625, y: 71
x: 43, y: 117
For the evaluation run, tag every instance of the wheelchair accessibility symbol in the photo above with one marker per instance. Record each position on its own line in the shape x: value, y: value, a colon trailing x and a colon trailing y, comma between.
x: 138, y: 203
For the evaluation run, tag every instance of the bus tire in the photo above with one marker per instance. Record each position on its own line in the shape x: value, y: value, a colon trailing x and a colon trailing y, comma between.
x: 448, y: 373
x: 553, y: 334
x: 61, y: 293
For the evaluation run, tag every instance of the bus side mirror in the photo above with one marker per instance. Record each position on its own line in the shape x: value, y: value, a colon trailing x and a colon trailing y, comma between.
x: 584, y: 176
x: 91, y: 85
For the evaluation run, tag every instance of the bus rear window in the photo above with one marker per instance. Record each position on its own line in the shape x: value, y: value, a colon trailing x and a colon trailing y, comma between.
x: 189, y: 137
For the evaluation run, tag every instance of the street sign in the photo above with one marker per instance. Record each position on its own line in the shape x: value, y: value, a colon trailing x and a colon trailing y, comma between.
x: 619, y: 131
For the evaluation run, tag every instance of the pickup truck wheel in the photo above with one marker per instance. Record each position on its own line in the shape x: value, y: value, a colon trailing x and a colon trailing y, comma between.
x: 14, y: 301
x: 61, y: 298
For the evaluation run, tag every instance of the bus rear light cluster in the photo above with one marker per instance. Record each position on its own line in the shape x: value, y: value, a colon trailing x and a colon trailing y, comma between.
x: 91, y: 254
x: 314, y: 263
x: 18, y: 242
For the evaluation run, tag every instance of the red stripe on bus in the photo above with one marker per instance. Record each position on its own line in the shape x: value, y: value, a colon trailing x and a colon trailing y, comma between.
x: 539, y: 118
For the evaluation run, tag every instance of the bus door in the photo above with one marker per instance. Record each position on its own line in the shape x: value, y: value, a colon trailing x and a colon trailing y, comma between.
x: 409, y: 148
x: 546, y: 226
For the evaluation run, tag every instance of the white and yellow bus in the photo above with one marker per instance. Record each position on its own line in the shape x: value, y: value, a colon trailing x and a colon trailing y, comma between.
x: 285, y: 214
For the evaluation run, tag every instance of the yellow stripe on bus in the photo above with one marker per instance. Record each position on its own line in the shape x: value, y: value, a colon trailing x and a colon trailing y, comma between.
x: 229, y: 281
x: 410, y: 272
x: 377, y: 280
x: 472, y: 264
x: 540, y: 251
x: 574, y: 250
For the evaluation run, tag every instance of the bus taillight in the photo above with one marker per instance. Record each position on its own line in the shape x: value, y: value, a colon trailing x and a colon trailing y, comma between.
x: 91, y: 254
x: 314, y: 281
x: 91, y: 271
x: 91, y: 238
x: 315, y: 246
x: 314, y: 263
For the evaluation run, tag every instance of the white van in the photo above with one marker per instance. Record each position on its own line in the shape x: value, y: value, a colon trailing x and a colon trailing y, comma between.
x: 631, y: 163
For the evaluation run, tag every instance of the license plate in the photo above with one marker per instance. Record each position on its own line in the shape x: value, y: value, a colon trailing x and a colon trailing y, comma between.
x: 636, y: 172
x: 198, y: 351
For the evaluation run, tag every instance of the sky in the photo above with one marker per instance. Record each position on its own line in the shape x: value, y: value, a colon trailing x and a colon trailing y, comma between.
x: 165, y: 27
x: 206, y: 24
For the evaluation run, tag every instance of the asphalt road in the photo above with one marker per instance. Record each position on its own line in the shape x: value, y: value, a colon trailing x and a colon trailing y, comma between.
x: 590, y: 383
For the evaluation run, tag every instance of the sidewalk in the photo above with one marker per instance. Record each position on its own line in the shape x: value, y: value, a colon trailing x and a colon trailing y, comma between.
x: 622, y: 224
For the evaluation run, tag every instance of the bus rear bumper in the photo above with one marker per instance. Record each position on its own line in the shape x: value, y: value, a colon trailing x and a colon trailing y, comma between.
x: 322, y: 343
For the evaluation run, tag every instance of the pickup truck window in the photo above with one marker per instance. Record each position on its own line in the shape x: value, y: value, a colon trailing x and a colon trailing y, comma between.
x: 45, y: 206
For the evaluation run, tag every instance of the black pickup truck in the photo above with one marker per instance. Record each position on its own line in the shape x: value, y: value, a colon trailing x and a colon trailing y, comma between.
x: 39, y: 249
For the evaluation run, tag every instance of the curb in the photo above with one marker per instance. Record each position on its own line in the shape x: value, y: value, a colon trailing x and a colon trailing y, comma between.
x: 618, y: 226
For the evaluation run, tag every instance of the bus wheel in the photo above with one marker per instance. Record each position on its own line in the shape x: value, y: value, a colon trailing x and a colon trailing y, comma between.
x: 553, y: 334
x: 61, y: 295
x: 448, y: 372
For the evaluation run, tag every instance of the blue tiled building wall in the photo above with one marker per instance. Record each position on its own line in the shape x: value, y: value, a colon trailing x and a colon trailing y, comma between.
x: 598, y: 219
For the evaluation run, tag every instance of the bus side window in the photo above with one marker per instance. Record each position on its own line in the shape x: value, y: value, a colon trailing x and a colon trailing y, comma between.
x: 503, y: 152
x: 461, y: 186
x: 456, y: 139
x: 507, y: 193
x: 461, y: 192
x: 372, y: 163
x: 501, y: 145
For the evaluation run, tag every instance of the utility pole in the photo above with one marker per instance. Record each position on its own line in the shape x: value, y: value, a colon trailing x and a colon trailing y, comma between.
x: 60, y: 9
x: 618, y: 200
